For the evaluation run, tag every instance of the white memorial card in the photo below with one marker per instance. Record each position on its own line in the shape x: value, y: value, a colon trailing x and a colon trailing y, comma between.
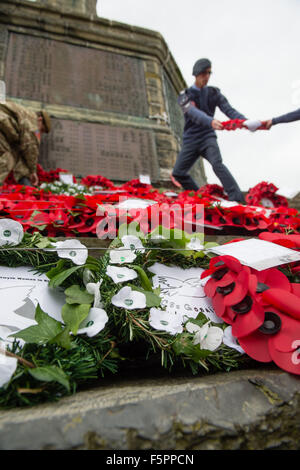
x: 66, y: 178
x: 258, y: 254
x: 224, y: 203
x: 21, y: 290
x: 182, y: 291
x: 135, y: 204
x: 145, y: 179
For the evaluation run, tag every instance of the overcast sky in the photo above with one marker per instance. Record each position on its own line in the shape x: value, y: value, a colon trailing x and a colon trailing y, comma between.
x: 255, y: 49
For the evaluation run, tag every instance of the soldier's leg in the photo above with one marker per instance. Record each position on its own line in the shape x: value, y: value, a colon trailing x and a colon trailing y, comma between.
x: 24, y: 181
x: 6, y: 164
x: 212, y: 153
x: 186, y: 159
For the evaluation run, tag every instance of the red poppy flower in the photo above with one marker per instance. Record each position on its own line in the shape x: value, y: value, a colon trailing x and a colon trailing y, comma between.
x: 249, y: 317
x: 285, y: 348
x: 276, y: 340
x: 213, y: 190
x: 97, y: 180
x: 233, y: 124
x: 287, y: 302
x: 272, y: 278
x: 86, y: 225
x: 293, y: 240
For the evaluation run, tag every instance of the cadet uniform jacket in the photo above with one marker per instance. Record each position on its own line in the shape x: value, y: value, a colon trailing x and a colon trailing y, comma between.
x: 19, y: 145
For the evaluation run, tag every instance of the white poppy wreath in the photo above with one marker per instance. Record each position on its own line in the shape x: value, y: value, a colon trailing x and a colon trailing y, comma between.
x: 112, y: 314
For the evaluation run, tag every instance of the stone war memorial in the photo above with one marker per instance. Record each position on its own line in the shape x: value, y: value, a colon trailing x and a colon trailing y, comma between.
x: 110, y: 88
x: 121, y: 335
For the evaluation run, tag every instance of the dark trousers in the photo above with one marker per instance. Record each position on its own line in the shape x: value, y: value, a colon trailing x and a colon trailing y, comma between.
x: 24, y: 181
x: 208, y: 149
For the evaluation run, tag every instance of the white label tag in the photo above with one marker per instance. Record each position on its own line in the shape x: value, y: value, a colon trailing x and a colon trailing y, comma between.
x: 66, y: 178
x: 145, y: 179
x: 258, y: 254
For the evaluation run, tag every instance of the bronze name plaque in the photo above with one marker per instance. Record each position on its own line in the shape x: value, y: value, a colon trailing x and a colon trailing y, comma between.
x: 55, y: 72
x: 118, y: 153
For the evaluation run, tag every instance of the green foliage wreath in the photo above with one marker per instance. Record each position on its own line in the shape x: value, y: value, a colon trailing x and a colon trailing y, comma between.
x: 57, y: 361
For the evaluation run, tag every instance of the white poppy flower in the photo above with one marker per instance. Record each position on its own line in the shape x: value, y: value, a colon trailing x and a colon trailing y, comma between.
x: 73, y: 250
x: 133, y: 243
x: 87, y: 277
x: 94, y: 323
x: 195, y: 244
x: 120, y: 275
x: 129, y: 299
x: 122, y: 256
x: 165, y: 321
x: 11, y: 232
x: 252, y: 124
x: 231, y: 341
x: 94, y: 289
x: 8, y: 366
x: 208, y: 337
x: 192, y: 327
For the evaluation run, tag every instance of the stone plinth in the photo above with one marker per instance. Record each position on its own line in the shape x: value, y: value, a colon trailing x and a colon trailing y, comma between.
x: 247, y: 410
x: 148, y: 408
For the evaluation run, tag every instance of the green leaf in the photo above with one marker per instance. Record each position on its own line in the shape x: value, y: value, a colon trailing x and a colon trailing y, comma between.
x: 81, y: 197
x: 175, y: 238
x: 199, y: 354
x: 39, y: 227
x: 145, y: 281
x: 73, y: 315
x: 186, y: 253
x: 77, y: 295
x: 183, y: 345
x: 157, y: 291
x: 63, y: 339
x: 199, y: 254
x: 199, y: 321
x: 47, y: 329
x: 50, y: 374
x: 58, y: 269
x: 44, y: 243
x: 57, y: 280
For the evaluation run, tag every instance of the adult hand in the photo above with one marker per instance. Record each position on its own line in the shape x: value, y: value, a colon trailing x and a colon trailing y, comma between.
x: 268, y: 124
x: 217, y: 125
x: 34, y: 179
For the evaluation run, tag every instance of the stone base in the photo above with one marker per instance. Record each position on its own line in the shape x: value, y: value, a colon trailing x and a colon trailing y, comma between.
x: 252, y: 409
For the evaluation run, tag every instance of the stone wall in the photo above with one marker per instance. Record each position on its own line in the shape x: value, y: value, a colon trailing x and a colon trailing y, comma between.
x: 87, y: 7
x: 116, y: 79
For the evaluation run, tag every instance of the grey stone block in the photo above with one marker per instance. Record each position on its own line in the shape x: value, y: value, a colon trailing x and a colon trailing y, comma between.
x: 253, y: 409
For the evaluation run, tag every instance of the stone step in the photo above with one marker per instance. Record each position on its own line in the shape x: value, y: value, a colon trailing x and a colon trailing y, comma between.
x: 249, y: 409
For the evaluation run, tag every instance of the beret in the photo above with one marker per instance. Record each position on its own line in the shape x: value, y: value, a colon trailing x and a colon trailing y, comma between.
x: 200, y: 66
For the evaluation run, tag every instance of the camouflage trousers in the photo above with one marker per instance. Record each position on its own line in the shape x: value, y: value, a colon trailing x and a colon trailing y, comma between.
x: 7, y: 159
